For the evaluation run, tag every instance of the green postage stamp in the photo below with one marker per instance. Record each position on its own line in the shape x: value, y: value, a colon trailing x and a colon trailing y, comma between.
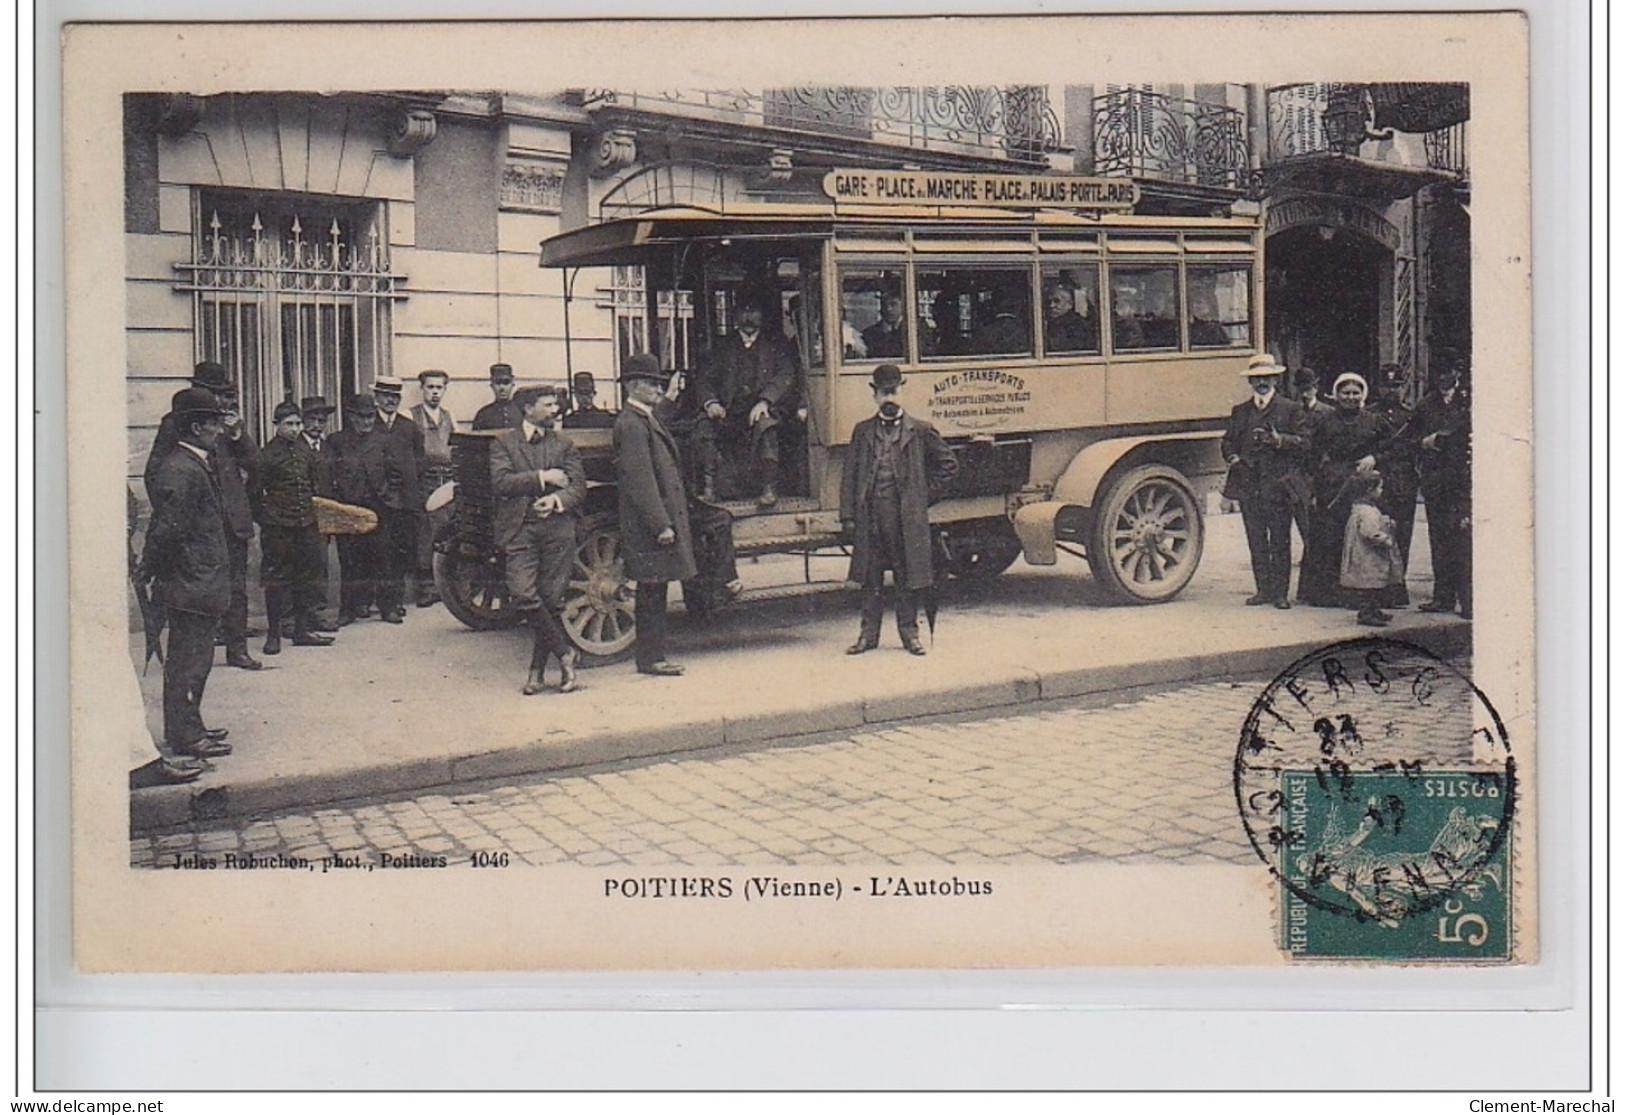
x: 1378, y: 785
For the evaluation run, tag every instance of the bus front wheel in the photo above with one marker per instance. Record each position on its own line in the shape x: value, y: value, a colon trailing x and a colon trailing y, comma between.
x: 599, y: 601
x: 1146, y: 540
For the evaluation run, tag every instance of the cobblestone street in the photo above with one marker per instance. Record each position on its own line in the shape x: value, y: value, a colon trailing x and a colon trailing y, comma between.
x: 1147, y: 780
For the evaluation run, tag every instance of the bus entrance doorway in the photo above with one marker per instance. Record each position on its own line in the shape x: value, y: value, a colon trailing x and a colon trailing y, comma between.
x: 1323, y: 300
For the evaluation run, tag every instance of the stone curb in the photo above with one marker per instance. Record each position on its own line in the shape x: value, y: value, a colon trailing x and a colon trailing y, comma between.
x: 171, y: 806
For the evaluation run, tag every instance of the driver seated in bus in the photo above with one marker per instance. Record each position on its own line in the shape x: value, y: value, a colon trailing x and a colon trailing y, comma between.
x: 745, y: 382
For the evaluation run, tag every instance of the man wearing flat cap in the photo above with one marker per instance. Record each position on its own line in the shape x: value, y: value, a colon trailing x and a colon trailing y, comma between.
x: 500, y: 413
x: 586, y: 414
x: 655, y: 533
x: 1264, y: 445
x: 285, y: 478
x: 186, y: 554
x: 231, y: 456
x: 896, y: 467
x: 539, y: 485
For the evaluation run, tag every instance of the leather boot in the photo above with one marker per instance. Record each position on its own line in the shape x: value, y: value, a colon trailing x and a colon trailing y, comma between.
x: 275, y: 605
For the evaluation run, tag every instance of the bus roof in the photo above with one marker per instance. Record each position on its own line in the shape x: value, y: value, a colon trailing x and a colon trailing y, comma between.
x: 625, y: 240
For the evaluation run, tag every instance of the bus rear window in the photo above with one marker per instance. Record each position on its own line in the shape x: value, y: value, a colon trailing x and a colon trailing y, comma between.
x: 1145, y: 307
x: 974, y: 310
x: 1220, y: 305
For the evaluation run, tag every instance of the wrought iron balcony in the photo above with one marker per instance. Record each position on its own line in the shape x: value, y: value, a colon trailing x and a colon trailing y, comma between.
x: 1013, y: 123
x: 1166, y: 139
x: 1322, y: 118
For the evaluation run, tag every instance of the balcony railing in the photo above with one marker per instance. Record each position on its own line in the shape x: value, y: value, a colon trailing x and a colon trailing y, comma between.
x: 1317, y: 118
x: 1014, y: 123
x: 1153, y: 136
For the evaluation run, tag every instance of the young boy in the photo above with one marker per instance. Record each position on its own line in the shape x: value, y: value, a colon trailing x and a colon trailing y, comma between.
x: 281, y: 481
x: 1371, y: 561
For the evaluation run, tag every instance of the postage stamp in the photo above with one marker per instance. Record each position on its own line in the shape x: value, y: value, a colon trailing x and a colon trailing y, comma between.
x: 1006, y: 409
x: 1379, y: 787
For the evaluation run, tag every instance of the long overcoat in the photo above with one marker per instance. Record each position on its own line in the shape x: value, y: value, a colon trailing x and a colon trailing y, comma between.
x: 652, y: 499
x: 186, y: 543
x: 231, y: 457
x: 925, y: 469
x: 403, y: 462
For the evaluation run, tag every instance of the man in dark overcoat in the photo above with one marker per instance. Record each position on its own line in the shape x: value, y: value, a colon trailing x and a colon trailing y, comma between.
x: 355, y: 463
x: 285, y: 477
x: 1264, y: 445
x: 1442, y: 428
x: 539, y: 485
x: 187, y: 555
x: 402, y: 505
x: 231, y: 457
x: 747, y: 382
x: 896, y: 466
x: 655, y: 532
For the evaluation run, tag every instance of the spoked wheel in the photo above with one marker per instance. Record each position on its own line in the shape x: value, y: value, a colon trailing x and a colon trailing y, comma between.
x: 598, y: 604
x: 474, y: 589
x: 1147, y: 536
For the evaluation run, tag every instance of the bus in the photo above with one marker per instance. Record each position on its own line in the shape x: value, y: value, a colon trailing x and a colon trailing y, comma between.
x: 1079, y: 360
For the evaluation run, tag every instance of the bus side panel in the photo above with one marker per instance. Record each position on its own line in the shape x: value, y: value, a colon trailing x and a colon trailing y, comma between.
x: 1175, y: 389
x: 965, y: 399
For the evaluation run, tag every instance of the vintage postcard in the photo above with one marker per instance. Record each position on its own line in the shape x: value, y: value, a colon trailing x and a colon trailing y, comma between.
x: 880, y: 493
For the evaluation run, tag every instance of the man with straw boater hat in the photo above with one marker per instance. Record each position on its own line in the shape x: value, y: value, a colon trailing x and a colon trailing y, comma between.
x: 1264, y: 446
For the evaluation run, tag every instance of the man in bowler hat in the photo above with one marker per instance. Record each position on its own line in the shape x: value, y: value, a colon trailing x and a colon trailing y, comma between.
x: 1264, y: 445
x: 586, y: 414
x: 896, y: 466
x: 187, y: 555
x: 231, y: 456
x: 539, y: 484
x: 655, y: 533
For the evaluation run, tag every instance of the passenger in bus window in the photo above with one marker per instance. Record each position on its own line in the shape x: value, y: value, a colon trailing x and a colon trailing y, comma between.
x: 1004, y: 333
x: 940, y: 335
x: 888, y: 337
x: 1066, y: 330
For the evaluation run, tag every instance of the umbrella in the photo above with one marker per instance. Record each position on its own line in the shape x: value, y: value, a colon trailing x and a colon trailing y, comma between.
x: 152, y: 616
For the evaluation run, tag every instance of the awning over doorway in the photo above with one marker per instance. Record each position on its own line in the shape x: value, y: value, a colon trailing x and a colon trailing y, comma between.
x: 1327, y: 172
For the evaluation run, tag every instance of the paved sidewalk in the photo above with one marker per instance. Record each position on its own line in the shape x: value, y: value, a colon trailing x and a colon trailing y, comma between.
x: 1144, y: 780
x: 391, y: 710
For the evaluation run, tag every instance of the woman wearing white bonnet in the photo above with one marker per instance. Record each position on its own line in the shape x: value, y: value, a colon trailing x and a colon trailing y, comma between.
x: 1350, y: 438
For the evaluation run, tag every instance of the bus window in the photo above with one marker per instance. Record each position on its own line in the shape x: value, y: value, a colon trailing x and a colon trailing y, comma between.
x: 873, y: 323
x: 1220, y: 305
x: 1145, y: 301
x: 975, y: 310
x: 1071, y: 310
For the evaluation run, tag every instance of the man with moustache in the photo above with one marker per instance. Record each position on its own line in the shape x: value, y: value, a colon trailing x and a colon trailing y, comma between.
x: 500, y: 413
x: 187, y: 555
x: 539, y: 484
x: 231, y: 456
x: 402, y: 503
x: 743, y: 382
x: 355, y: 463
x: 1264, y: 445
x: 896, y: 467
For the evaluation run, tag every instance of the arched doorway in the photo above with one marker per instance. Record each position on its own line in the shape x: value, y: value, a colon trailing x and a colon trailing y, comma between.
x: 1324, y: 299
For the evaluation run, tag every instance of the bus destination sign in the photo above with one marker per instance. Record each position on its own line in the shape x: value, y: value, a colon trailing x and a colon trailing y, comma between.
x: 1015, y: 191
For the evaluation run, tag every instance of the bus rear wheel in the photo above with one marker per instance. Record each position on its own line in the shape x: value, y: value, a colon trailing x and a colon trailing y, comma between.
x: 599, y: 600
x: 1146, y: 540
x: 978, y: 550
x: 474, y: 589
